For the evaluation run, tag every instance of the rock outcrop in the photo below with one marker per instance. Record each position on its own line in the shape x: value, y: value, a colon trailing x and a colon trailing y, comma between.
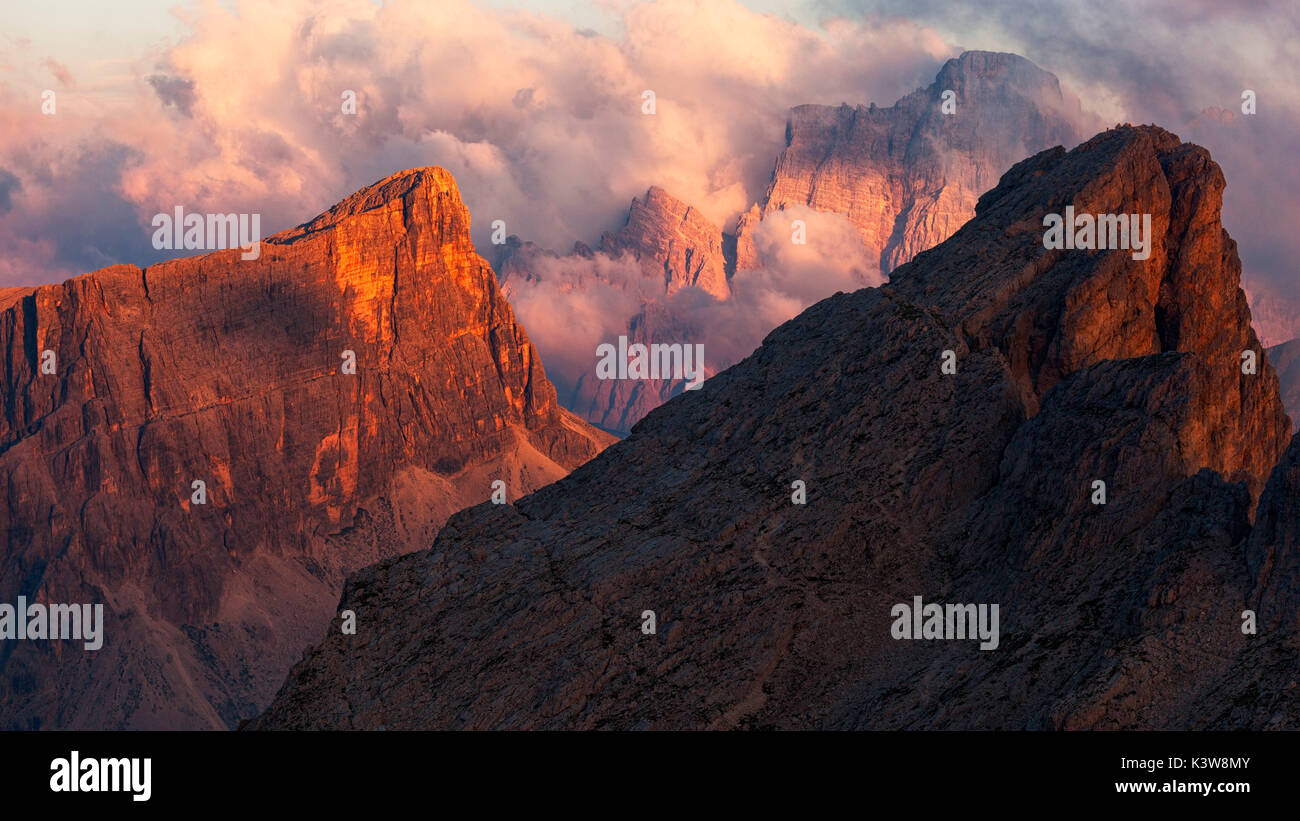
x: 673, y: 240
x: 1286, y: 360
x: 909, y: 175
x: 979, y: 486
x: 236, y: 373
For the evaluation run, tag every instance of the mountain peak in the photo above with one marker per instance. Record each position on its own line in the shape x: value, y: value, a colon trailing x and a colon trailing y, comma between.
x: 674, y: 239
x: 908, y: 175
x: 1055, y: 312
x: 416, y: 189
x: 334, y: 399
x: 993, y: 64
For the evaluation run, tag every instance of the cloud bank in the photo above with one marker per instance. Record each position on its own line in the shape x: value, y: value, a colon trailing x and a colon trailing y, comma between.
x: 540, y: 122
x: 570, y: 305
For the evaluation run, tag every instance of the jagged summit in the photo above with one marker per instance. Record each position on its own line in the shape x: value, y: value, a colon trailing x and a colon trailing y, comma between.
x: 979, y: 486
x: 908, y: 175
x: 422, y: 186
x: 674, y: 241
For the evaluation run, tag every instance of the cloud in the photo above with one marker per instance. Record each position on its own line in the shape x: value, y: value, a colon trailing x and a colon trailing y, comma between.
x: 8, y: 185
x: 572, y: 304
x: 790, y: 278
x: 60, y: 73
x: 176, y: 92
x: 65, y: 214
x: 541, y: 123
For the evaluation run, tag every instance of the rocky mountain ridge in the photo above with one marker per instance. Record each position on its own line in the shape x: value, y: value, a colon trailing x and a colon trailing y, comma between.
x: 1099, y: 465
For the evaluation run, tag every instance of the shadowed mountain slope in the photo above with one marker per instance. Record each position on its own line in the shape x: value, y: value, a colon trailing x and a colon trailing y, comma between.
x: 1073, y: 367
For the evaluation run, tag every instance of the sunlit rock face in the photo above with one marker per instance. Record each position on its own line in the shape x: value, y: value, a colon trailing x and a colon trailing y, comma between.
x: 909, y: 175
x: 236, y: 373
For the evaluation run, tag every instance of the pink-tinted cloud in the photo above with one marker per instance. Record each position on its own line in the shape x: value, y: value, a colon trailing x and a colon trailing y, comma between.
x: 60, y: 73
x: 572, y: 304
x: 541, y: 123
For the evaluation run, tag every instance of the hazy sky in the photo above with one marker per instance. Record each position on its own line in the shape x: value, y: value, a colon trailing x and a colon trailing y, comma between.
x: 534, y: 106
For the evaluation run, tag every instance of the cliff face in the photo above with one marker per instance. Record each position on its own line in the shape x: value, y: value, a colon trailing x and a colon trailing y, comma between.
x: 979, y: 486
x: 908, y: 176
x: 673, y: 240
x: 235, y: 373
x: 618, y: 404
x: 1286, y: 359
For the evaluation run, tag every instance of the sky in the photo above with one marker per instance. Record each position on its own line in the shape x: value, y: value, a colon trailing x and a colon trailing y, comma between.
x: 535, y: 106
